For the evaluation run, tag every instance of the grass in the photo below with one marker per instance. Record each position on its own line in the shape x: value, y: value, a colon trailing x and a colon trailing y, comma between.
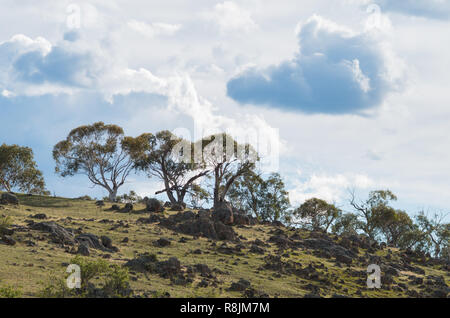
x: 31, y: 267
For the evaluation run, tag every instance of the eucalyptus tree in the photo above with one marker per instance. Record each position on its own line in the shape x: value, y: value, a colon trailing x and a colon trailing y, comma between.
x: 98, y: 152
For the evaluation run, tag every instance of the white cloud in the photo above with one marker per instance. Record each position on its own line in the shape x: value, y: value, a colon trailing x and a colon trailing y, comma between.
x: 154, y: 29
x: 230, y: 17
x: 331, y: 188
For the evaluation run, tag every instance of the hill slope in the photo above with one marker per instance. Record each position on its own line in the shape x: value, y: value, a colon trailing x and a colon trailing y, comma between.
x: 267, y: 261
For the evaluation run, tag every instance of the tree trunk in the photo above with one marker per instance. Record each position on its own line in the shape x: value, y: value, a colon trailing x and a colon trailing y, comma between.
x: 113, y: 195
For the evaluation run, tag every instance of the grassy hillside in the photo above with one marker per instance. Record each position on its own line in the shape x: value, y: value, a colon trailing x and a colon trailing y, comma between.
x: 34, y: 259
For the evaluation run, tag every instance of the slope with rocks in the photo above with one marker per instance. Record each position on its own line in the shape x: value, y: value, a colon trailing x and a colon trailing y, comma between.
x: 203, y: 254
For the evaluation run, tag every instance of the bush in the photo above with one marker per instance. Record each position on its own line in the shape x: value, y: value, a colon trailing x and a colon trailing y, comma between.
x: 10, y: 292
x: 98, y: 280
x: 5, y: 222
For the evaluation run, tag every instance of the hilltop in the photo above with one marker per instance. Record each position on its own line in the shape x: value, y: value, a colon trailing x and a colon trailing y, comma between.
x: 260, y: 260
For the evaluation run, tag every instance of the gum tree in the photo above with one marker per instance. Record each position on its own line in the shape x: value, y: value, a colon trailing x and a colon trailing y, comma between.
x: 228, y: 160
x: 98, y: 152
x: 169, y: 159
x: 18, y: 170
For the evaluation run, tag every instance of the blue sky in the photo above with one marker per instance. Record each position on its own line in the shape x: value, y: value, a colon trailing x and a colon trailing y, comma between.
x: 355, y: 92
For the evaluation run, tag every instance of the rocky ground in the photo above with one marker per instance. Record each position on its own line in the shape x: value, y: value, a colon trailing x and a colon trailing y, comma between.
x: 186, y: 253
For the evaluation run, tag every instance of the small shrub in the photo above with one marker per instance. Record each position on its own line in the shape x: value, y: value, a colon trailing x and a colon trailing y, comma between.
x: 10, y: 292
x: 98, y: 279
x: 5, y: 222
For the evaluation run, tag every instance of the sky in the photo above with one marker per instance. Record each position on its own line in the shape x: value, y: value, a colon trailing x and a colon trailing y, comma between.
x: 348, y: 94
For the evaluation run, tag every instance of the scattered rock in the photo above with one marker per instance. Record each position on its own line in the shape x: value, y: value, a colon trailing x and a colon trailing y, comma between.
x: 58, y: 233
x: 83, y: 249
x: 8, y: 240
x: 241, y: 285
x: 153, y: 205
x: 162, y: 242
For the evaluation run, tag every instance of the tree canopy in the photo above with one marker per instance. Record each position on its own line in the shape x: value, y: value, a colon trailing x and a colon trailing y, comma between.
x: 168, y: 158
x: 267, y: 199
x: 98, y: 152
x: 18, y: 170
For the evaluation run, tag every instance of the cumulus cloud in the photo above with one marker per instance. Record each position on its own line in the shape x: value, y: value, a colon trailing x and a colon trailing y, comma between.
x: 331, y: 188
x: 36, y: 67
x: 154, y: 29
x: 336, y: 71
x: 230, y: 17
x: 435, y: 9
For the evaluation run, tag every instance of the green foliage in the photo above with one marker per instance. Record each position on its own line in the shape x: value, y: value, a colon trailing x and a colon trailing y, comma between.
x: 10, y: 292
x: 228, y: 160
x: 436, y: 233
x: 369, y: 210
x: 168, y: 158
x: 98, y: 279
x: 97, y: 151
x: 347, y: 224
x: 267, y: 199
x: 5, y: 222
x: 18, y: 170
x: 131, y: 197
x: 317, y: 214
x: 392, y: 224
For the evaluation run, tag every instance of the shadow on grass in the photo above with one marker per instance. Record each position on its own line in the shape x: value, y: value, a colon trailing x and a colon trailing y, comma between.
x: 44, y: 201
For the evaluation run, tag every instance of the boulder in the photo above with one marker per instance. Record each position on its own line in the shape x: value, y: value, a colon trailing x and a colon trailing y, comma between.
x: 58, y: 233
x: 8, y: 240
x: 223, y: 212
x: 128, y: 208
x: 241, y: 285
x: 176, y: 207
x: 39, y: 216
x: 153, y: 205
x: 162, y: 242
x: 9, y: 198
x: 83, y: 249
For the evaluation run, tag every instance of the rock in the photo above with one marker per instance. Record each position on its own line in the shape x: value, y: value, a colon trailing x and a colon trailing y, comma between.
x: 204, y: 214
x: 9, y: 198
x: 256, y: 249
x: 223, y: 212
x: 58, y: 233
x: 83, y: 249
x: 153, y: 218
x: 93, y: 241
x: 125, y: 240
x: 241, y: 285
x: 162, y: 242
x: 281, y: 240
x: 169, y: 268
x: 115, y: 207
x: 153, y: 205
x: 8, y: 240
x: 176, y: 207
x: 106, y: 242
x: 39, y: 216
x: 100, y: 203
x: 203, y: 269
x: 143, y: 263
x: 341, y: 258
x: 192, y: 224
x: 128, y: 208
x: 224, y: 232
x: 167, y: 204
